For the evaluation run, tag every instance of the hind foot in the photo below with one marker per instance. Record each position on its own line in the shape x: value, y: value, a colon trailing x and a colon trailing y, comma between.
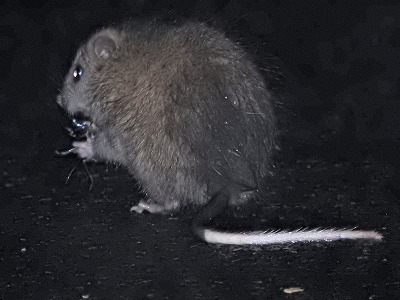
x: 146, y: 206
x: 153, y: 208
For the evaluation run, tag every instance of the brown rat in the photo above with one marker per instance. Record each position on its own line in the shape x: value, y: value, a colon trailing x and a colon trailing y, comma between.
x: 189, y: 115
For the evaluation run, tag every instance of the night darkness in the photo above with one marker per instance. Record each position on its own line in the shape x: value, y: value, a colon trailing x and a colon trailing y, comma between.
x: 335, y: 68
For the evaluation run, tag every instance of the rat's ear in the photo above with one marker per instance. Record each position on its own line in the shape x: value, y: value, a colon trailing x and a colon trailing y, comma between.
x: 104, y: 44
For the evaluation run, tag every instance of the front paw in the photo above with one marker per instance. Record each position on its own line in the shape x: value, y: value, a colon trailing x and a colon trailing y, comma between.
x: 84, y: 149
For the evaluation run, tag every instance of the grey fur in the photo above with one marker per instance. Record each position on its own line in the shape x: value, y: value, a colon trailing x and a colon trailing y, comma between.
x: 182, y: 107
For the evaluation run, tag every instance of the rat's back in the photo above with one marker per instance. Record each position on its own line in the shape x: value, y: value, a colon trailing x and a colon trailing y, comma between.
x: 210, y: 112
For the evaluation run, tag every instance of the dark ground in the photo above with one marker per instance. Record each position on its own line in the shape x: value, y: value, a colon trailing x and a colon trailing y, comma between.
x: 339, y: 164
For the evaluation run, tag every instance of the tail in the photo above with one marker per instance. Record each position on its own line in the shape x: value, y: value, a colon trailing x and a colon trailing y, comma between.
x: 219, y: 203
x: 280, y: 237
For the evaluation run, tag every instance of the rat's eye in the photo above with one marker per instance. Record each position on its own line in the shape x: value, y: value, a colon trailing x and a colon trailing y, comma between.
x: 77, y: 73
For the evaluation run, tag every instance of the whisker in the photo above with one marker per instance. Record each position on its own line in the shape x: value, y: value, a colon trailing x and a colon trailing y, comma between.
x: 69, y: 174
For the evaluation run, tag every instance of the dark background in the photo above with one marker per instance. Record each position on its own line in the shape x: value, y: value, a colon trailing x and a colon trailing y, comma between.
x: 337, y: 69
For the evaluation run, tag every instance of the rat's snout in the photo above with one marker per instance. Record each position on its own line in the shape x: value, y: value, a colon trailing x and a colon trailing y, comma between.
x: 59, y: 100
x: 62, y: 103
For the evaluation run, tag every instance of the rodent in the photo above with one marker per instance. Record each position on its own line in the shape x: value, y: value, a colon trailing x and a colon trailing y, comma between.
x: 187, y: 112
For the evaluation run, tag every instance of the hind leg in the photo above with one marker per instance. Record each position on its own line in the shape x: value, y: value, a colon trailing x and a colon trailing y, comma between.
x: 242, y: 197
